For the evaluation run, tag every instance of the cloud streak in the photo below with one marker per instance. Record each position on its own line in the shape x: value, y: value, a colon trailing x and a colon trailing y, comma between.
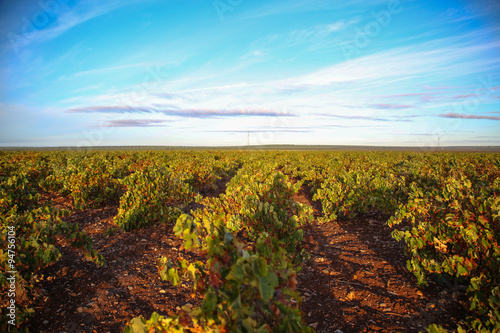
x: 200, y: 113
x: 134, y: 123
x: 115, y: 68
x: 467, y: 116
x: 391, y: 106
x: 110, y: 109
x: 67, y: 18
x: 264, y: 131
x: 184, y: 113
x: 350, y: 117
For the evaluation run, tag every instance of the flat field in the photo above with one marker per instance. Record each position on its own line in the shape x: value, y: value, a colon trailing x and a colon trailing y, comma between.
x: 241, y: 240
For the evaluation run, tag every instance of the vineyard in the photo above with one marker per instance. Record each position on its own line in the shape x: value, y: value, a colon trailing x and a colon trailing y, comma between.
x: 249, y: 241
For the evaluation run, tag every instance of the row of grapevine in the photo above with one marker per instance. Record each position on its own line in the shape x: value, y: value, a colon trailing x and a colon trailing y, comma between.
x: 454, y: 232
x: 153, y: 195
x: 259, y: 199
x: 29, y: 231
x: 249, y: 237
x: 448, y: 203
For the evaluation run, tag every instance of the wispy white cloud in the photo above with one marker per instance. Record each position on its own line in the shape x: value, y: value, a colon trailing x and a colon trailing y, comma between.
x: 317, y: 37
x: 467, y: 12
x: 355, y: 117
x: 67, y: 19
x: 385, y: 106
x: 283, y: 8
x: 134, y: 123
x: 110, y: 109
x: 467, y: 116
x: 100, y: 71
x: 366, y: 88
x: 407, y: 63
x: 284, y: 130
x: 185, y: 113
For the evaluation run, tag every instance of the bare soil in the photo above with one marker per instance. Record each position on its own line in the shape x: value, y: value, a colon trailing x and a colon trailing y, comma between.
x: 355, y: 281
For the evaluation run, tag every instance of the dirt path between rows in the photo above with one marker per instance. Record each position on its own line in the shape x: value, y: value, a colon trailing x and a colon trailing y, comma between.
x: 355, y: 281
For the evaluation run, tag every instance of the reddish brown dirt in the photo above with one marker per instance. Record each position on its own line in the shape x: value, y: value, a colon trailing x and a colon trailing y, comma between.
x: 355, y: 281
x: 78, y: 296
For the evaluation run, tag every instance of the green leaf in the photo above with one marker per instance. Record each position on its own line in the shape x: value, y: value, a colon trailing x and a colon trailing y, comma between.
x: 294, y: 294
x: 461, y: 270
x: 260, y: 266
x: 236, y: 303
x: 433, y: 328
x: 236, y: 273
x: 137, y: 325
x: 209, y: 302
x: 267, y: 284
x: 173, y: 276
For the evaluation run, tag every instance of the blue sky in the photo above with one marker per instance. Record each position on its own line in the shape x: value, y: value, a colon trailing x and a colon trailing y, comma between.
x: 225, y: 72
